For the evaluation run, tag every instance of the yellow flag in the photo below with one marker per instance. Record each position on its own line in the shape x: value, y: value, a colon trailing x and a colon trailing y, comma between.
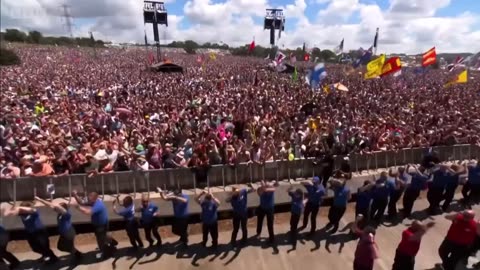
x: 461, y: 78
x: 374, y: 67
x: 213, y: 56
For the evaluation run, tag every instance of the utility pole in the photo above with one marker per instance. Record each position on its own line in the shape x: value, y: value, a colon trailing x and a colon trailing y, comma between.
x: 93, y: 44
x: 68, y: 19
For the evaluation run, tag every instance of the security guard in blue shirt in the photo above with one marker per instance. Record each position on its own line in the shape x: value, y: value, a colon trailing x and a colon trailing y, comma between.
x: 340, y: 200
x: 36, y: 233
x: 148, y: 220
x: 266, y: 191
x: 95, y: 208
x: 436, y: 188
x: 209, y: 205
x: 453, y: 180
x: 380, y: 195
x: 131, y: 223
x: 66, y: 241
x: 315, y: 193
x: 296, y: 211
x: 238, y: 200
x: 417, y: 183
x: 471, y: 189
x: 180, y: 212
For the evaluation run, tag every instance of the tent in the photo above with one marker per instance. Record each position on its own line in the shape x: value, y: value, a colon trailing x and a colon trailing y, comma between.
x: 166, y: 66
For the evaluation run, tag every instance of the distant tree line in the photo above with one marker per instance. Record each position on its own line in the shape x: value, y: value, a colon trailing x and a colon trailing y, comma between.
x: 35, y: 37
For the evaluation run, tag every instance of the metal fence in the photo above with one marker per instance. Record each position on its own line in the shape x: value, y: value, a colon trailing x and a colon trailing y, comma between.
x: 219, y: 175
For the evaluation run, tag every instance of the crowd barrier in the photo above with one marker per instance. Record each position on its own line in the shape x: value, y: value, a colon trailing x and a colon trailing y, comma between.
x: 135, y: 182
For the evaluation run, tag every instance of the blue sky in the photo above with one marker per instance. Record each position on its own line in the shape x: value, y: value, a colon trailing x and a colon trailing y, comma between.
x: 405, y: 25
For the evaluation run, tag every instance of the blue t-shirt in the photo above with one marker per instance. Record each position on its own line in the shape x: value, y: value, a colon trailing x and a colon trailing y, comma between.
x: 363, y: 199
x: 382, y: 192
x: 148, y: 213
x: 180, y: 209
x: 474, y: 175
x: 209, y: 212
x: 239, y: 204
x: 267, y: 201
x: 297, y: 203
x: 32, y: 222
x: 99, y: 213
x: 128, y: 213
x: 340, y: 198
x: 315, y: 194
x: 419, y: 182
x: 64, y: 222
x: 440, y: 179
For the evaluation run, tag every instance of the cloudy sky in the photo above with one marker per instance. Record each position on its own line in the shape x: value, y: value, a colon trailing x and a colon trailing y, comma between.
x: 409, y: 26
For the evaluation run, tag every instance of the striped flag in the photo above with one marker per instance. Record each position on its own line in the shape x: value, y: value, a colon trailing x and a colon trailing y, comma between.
x: 459, y: 60
x: 339, y: 49
x: 429, y: 58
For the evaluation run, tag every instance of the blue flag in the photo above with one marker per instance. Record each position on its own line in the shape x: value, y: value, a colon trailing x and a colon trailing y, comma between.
x: 365, y: 57
x: 316, y: 75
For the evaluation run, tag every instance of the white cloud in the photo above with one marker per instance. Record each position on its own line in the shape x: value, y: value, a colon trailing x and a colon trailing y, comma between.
x: 405, y: 26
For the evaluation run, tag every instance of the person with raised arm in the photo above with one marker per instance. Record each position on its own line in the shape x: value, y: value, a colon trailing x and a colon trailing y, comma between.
x: 315, y: 193
x: 66, y: 241
x: 148, y: 219
x: 4, y: 253
x: 180, y: 212
x: 266, y: 191
x: 209, y: 205
x: 298, y: 204
x: 131, y: 223
x: 238, y: 200
x: 95, y: 208
x: 410, y: 245
x: 460, y: 238
x: 471, y: 189
x: 380, y: 196
x: 340, y: 200
x: 37, y: 235
x: 417, y: 183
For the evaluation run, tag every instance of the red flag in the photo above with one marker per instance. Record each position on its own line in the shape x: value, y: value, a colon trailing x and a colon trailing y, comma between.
x: 429, y: 58
x: 252, y: 46
x: 306, y: 57
x: 392, y: 65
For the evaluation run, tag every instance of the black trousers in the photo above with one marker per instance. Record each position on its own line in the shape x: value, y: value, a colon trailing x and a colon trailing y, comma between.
x: 471, y: 193
x: 364, y: 211
x: 392, y: 203
x: 403, y: 262
x: 448, y: 197
x: 434, y: 197
x: 40, y: 244
x: 152, y: 228
x: 311, y: 210
x: 357, y: 266
x: 104, y: 241
x: 335, y: 214
x: 294, y: 219
x: 211, y: 229
x: 408, y: 200
x: 378, y: 209
x: 239, y: 220
x: 66, y: 242
x: 4, y: 254
x: 131, y: 226
x: 261, y: 214
x: 451, y: 254
x: 180, y: 228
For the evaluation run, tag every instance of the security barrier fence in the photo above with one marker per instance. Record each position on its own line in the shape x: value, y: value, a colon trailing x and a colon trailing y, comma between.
x: 20, y: 189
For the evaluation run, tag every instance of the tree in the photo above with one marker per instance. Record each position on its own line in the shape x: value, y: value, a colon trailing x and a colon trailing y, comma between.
x: 15, y: 35
x: 327, y: 55
x: 190, y: 46
x: 35, y: 37
x: 8, y: 57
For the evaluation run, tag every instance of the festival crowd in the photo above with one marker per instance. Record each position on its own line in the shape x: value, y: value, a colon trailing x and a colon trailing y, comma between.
x: 65, y: 111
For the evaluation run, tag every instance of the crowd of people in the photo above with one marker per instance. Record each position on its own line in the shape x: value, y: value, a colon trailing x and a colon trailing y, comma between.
x: 66, y: 111
x: 373, y: 199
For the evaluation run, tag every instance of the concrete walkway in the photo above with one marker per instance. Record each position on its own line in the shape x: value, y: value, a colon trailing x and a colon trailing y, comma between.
x: 322, y: 252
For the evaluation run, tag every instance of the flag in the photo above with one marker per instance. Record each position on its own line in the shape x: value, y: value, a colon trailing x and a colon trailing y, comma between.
x: 268, y: 57
x: 252, y: 46
x: 339, y: 49
x: 315, y: 59
x: 375, y: 42
x: 316, y: 75
x: 461, y: 78
x: 374, y: 67
x: 281, y: 27
x: 365, y: 56
x: 392, y: 65
x: 304, y: 47
x: 279, y: 57
x: 293, y: 58
x: 213, y: 56
x: 429, y: 58
x: 295, y: 75
x: 459, y: 60
x: 306, y: 57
